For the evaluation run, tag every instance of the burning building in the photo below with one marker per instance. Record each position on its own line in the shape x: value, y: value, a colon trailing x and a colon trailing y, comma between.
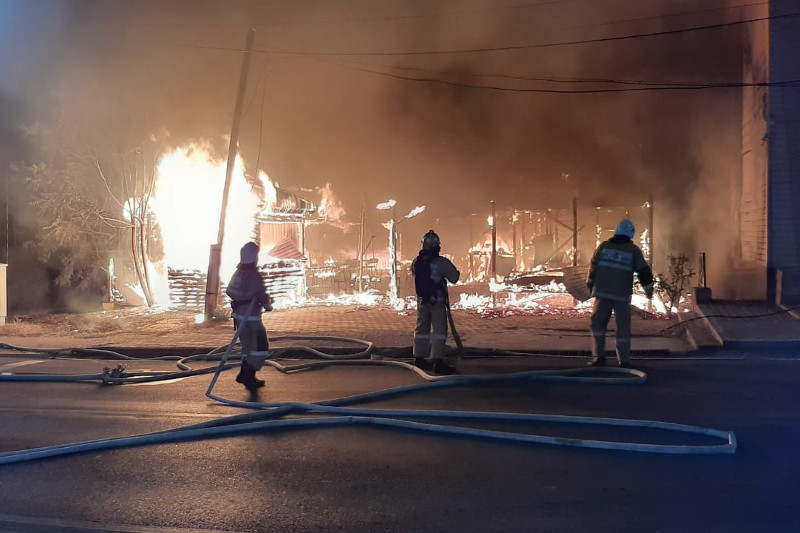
x: 183, y: 220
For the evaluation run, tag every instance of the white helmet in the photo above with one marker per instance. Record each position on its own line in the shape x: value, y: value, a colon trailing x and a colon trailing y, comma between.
x: 625, y: 228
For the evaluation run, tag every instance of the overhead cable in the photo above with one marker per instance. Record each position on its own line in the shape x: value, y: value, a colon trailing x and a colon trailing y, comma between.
x: 787, y: 83
x: 535, y: 45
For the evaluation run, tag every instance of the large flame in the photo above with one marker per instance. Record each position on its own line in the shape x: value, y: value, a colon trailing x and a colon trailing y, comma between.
x: 329, y: 207
x: 187, y: 203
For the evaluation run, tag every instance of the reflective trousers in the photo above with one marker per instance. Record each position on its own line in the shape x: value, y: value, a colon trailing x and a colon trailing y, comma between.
x: 430, y: 316
x: 601, y: 314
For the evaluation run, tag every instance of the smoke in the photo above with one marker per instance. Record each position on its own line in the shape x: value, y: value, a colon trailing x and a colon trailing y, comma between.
x: 617, y: 149
x: 173, y: 65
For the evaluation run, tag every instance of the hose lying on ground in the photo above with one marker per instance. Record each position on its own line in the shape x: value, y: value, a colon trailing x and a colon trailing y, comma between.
x: 268, y: 415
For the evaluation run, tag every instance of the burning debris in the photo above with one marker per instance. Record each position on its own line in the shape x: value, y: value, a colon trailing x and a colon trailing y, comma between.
x: 525, y: 263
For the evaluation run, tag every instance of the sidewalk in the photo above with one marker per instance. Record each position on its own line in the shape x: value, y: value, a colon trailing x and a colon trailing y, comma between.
x: 385, y: 327
x: 749, y: 326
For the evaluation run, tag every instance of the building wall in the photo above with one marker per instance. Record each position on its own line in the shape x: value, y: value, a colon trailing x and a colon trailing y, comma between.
x: 784, y: 153
x: 750, y: 198
x: 273, y: 233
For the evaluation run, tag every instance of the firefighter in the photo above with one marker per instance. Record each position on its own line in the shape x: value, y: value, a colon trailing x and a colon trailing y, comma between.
x: 431, y: 273
x: 246, y: 287
x: 610, y: 281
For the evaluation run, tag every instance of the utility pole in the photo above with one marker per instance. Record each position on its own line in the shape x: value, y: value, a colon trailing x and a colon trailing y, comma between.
x: 494, y: 253
x: 650, y: 235
x: 393, y: 256
x: 522, y: 241
x: 212, y: 280
x: 574, y: 231
x: 514, y: 239
x: 360, y: 255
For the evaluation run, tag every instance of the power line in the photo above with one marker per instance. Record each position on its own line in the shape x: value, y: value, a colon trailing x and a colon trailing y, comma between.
x: 549, y: 79
x: 788, y: 83
x: 501, y: 8
x: 545, y: 45
x: 667, y: 15
x: 502, y: 48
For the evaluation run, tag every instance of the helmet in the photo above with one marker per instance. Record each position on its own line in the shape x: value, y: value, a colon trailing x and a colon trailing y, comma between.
x: 431, y: 241
x: 625, y: 228
x: 249, y: 253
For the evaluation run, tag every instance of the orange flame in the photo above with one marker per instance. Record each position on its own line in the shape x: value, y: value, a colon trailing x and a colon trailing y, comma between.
x: 187, y: 203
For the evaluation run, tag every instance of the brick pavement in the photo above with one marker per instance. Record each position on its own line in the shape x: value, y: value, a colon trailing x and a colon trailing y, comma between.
x: 387, y: 328
x: 568, y: 332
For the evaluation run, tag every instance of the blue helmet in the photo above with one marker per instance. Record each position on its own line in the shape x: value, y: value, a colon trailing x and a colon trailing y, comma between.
x: 249, y: 253
x: 625, y: 228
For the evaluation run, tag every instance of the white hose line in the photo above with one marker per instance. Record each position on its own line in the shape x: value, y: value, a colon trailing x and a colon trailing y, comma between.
x: 188, y: 434
x: 284, y: 409
x: 95, y: 351
x: 585, y: 375
x: 186, y: 371
x: 223, y: 427
x: 565, y: 376
x: 369, y: 345
x: 577, y: 375
x: 368, y: 416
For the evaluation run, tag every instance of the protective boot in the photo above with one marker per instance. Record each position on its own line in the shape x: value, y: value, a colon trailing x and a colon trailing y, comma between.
x: 247, y: 377
x: 440, y: 367
x: 597, y: 361
x: 421, y: 362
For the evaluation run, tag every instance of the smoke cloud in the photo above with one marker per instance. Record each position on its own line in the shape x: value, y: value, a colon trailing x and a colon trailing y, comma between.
x: 120, y: 71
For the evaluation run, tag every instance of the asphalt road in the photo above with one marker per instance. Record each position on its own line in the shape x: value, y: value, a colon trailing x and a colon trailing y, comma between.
x: 366, y: 479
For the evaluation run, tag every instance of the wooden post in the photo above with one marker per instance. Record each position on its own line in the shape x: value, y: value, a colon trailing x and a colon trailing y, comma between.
x: 392, y: 259
x: 574, y: 231
x: 212, y: 281
x: 598, y: 229
x: 360, y: 254
x: 494, y: 254
x: 522, y: 241
x: 494, y: 243
x: 514, y: 239
x: 650, y: 234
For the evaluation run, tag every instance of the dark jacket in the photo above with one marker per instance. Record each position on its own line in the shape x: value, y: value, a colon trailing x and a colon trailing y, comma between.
x: 441, y: 269
x: 612, y: 268
x: 247, y: 284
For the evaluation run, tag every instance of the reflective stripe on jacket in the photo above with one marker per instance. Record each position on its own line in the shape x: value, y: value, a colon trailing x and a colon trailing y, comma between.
x: 612, y: 268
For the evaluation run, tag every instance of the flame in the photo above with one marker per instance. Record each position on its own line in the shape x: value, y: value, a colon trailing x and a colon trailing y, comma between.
x: 270, y: 190
x: 329, y: 207
x: 187, y: 203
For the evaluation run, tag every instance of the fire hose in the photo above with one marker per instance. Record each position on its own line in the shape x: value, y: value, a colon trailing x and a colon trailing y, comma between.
x: 456, y: 336
x: 268, y: 416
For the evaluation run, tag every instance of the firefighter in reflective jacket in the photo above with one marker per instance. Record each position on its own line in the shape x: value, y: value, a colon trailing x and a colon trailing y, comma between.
x: 246, y: 287
x: 431, y: 273
x: 611, y: 283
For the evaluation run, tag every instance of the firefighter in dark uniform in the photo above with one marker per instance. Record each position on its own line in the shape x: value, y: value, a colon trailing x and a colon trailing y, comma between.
x: 246, y: 287
x: 431, y: 272
x: 611, y: 283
